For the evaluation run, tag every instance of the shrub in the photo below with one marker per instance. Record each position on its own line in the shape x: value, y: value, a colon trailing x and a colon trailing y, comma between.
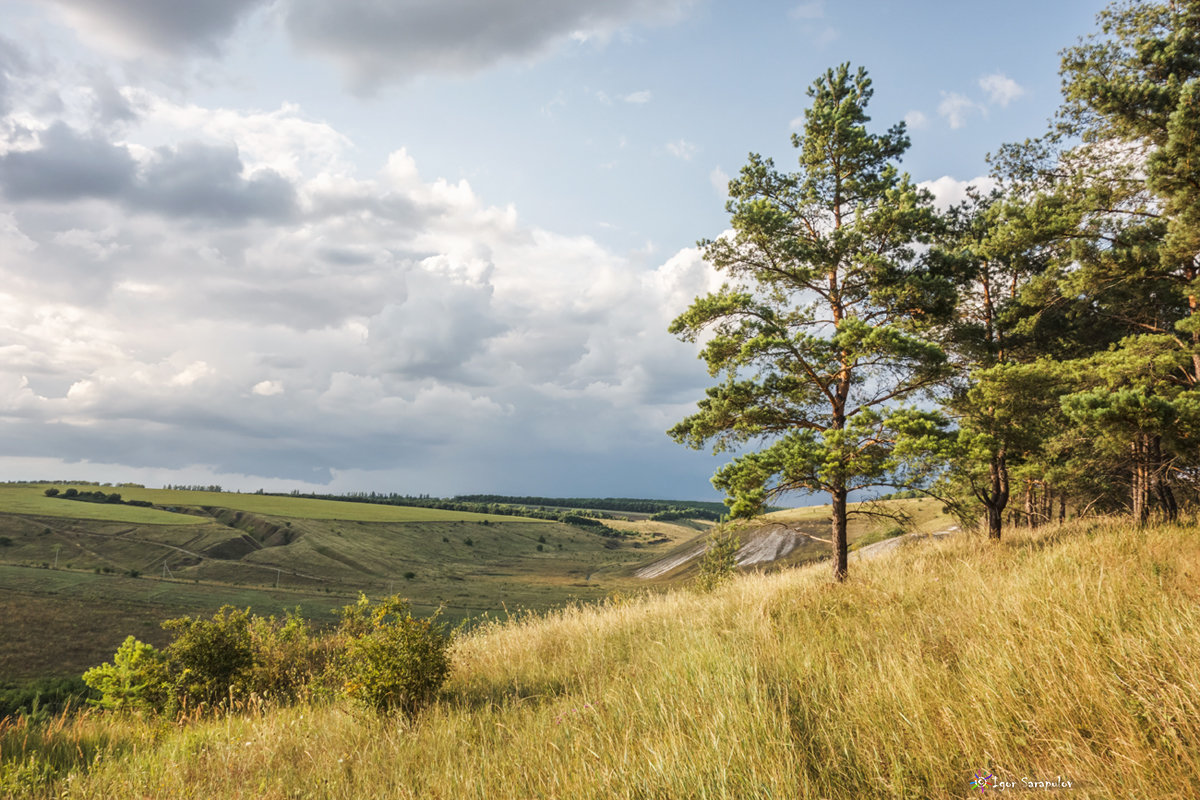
x: 71, y: 492
x: 288, y: 660
x: 392, y: 661
x: 43, y: 696
x: 210, y: 661
x: 135, y: 680
x: 51, y: 492
x: 720, y: 558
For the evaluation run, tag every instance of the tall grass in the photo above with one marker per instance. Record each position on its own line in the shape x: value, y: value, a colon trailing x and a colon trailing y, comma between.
x: 1072, y: 653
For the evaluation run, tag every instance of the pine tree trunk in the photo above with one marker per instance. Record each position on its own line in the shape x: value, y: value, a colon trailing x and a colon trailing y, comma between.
x: 1162, y: 486
x: 1140, y: 483
x: 1030, y: 514
x: 1062, y: 509
x: 840, y: 552
x: 996, y: 500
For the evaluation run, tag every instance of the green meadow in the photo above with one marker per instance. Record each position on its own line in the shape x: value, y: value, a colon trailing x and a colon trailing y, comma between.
x: 31, y: 499
x: 1066, y: 655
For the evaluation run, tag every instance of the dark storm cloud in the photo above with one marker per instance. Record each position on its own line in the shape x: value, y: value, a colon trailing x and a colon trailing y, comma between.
x: 379, y: 41
x: 199, y: 180
x: 69, y: 165
x: 166, y: 26
x: 193, y: 180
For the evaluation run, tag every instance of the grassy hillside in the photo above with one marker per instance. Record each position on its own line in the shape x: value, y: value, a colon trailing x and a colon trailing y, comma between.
x: 794, y: 536
x: 1068, y: 655
x: 75, y: 586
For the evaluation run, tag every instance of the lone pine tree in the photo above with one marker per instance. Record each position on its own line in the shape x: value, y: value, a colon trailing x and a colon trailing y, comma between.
x: 823, y: 326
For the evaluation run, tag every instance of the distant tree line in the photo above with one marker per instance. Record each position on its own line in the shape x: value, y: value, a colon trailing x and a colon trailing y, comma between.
x: 195, y: 488
x: 634, y: 505
x: 584, y: 516
x: 95, y: 497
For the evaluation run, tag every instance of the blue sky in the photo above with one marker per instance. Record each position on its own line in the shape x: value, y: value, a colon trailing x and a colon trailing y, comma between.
x: 422, y: 246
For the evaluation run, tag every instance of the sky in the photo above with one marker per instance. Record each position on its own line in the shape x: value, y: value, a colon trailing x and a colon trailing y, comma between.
x: 423, y: 246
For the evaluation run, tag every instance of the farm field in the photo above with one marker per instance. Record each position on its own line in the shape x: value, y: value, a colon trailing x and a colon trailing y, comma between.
x: 31, y: 499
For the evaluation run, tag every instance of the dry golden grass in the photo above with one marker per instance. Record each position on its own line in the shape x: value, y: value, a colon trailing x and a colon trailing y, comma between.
x: 1072, y: 652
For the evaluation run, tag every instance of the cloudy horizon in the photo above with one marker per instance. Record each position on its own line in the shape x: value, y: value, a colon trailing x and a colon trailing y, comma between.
x: 420, y: 247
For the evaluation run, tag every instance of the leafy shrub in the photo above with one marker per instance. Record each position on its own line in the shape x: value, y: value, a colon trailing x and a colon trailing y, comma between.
x: 43, y: 695
x: 288, y: 659
x: 51, y: 492
x: 719, y: 561
x: 210, y: 661
x: 392, y: 661
x: 135, y: 680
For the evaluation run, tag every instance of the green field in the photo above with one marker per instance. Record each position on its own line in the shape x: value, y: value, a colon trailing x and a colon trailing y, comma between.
x: 31, y: 499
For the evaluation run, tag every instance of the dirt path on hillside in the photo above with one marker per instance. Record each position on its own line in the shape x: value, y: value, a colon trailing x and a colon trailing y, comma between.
x: 778, y: 542
x: 877, y: 549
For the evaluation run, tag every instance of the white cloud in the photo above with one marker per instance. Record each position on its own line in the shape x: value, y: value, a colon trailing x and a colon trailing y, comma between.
x: 393, y: 319
x: 957, y: 108
x: 719, y: 180
x: 643, y: 96
x: 1001, y: 89
x: 916, y: 120
x: 682, y: 148
x: 949, y: 191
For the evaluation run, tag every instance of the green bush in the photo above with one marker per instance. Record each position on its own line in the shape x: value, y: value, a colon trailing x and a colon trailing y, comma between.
x: 288, y: 659
x: 720, y: 558
x: 136, y: 679
x: 392, y: 662
x: 210, y: 661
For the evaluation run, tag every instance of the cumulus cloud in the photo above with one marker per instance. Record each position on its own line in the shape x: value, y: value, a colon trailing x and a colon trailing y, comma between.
x: 377, y: 42
x: 68, y: 165
x: 949, y: 191
x: 957, y: 108
x: 1001, y: 89
x: 138, y: 27
x: 643, y: 96
x: 219, y: 292
x: 916, y: 120
x: 192, y: 180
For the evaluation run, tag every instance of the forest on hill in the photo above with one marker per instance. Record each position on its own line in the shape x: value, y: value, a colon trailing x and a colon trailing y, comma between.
x: 1034, y: 349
